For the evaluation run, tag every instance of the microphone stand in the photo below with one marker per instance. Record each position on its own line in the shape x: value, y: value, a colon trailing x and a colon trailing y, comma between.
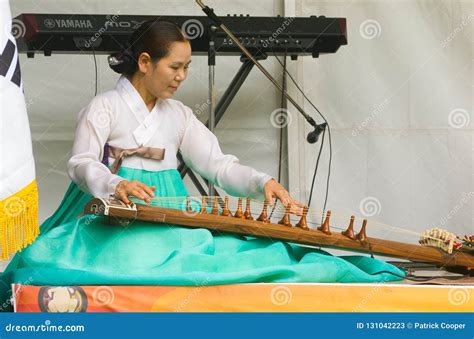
x: 318, y: 129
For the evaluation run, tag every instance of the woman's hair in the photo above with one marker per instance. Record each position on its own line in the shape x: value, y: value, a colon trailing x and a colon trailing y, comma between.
x: 153, y: 37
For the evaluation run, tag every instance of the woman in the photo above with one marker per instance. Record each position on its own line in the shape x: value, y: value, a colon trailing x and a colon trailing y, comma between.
x: 140, y: 118
x: 154, y: 70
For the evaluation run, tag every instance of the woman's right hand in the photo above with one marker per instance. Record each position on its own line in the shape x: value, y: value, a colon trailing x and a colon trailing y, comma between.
x: 134, y: 188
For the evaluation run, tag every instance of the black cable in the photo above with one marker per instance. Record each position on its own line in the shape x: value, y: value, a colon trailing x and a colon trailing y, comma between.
x: 329, y: 135
x: 316, y: 169
x: 95, y: 64
x: 329, y: 169
x: 301, y: 91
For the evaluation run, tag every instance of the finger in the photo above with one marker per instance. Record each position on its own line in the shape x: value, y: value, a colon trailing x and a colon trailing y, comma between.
x: 283, y: 197
x: 148, y: 190
x: 297, y: 203
x: 137, y: 192
x: 269, y: 198
x: 123, y: 196
x: 141, y: 194
x: 296, y: 210
x: 296, y: 207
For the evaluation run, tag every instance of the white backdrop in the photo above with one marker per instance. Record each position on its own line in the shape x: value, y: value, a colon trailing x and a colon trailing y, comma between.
x: 398, y: 98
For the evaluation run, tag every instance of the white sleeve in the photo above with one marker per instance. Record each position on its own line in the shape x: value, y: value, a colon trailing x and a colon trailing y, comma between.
x: 201, y: 152
x: 85, y: 167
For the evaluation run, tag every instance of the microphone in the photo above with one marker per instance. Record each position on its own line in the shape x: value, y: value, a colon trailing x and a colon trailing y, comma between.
x: 313, y: 136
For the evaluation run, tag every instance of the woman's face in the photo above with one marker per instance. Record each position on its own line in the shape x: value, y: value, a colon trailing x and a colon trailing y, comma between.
x: 163, y: 78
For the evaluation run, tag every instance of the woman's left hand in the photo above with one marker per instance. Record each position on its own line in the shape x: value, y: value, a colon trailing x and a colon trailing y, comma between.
x: 273, y: 189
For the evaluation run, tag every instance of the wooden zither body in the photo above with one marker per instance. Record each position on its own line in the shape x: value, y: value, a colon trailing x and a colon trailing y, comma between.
x: 220, y: 219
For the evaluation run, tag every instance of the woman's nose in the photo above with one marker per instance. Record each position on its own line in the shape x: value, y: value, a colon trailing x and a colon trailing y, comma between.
x: 181, y: 75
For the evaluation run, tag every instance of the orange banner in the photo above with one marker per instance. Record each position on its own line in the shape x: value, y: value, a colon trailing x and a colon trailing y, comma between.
x: 246, y: 298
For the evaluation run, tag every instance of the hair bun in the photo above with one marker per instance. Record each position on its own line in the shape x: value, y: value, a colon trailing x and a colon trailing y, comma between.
x: 153, y: 37
x: 121, y: 62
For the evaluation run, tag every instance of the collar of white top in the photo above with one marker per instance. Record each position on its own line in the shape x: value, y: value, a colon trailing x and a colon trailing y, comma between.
x: 149, y: 121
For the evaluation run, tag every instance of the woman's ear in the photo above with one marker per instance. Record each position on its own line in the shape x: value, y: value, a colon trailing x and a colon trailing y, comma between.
x: 144, y: 63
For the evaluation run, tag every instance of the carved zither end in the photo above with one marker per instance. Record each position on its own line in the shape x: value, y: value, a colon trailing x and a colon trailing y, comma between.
x: 215, y: 206
x: 350, y: 229
x: 325, y: 226
x: 247, y: 213
x: 303, y: 223
x: 239, y: 214
x: 264, y: 216
x: 226, y: 211
x: 362, y: 236
x: 286, y: 217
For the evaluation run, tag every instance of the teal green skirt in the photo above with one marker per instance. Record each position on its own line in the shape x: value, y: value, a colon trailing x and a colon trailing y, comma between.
x: 87, y: 250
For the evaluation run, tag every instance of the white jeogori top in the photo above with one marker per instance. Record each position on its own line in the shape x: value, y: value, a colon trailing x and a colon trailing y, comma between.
x: 121, y: 118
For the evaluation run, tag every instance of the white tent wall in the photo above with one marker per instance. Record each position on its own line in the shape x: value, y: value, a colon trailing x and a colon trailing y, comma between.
x: 394, y: 99
x: 59, y: 86
x: 399, y: 99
